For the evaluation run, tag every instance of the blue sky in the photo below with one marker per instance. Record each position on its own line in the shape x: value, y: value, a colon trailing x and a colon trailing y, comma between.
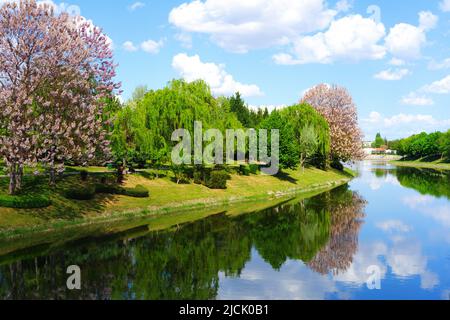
x: 393, y: 56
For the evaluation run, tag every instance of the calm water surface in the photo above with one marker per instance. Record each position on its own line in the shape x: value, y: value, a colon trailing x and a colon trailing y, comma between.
x: 397, y: 219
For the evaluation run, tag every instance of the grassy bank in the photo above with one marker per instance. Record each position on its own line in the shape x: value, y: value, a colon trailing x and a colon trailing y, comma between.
x: 423, y: 164
x: 175, y: 203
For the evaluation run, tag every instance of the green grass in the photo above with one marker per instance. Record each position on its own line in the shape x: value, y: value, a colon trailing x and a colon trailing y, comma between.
x: 439, y: 164
x: 165, y: 197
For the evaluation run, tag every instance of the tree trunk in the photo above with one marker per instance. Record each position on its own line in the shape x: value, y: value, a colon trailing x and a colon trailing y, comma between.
x: 52, y: 176
x: 12, y: 179
x: 302, y: 162
x: 19, y: 175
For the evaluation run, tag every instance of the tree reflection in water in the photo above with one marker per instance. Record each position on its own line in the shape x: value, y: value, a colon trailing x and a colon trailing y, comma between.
x: 184, y: 263
x: 426, y: 181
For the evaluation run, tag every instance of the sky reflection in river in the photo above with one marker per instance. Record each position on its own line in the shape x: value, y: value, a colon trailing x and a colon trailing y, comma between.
x: 397, y: 219
x: 406, y: 233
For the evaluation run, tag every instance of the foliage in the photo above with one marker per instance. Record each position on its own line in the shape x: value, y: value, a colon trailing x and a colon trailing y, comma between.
x: 143, y: 128
x: 295, y: 149
x: 180, y: 173
x: 308, y: 144
x: 54, y: 80
x: 84, y: 175
x: 249, y: 118
x: 244, y: 170
x: 217, y: 180
x: 24, y: 202
x: 336, y: 105
x: 253, y: 168
x: 198, y: 177
x: 288, y: 151
x: 425, y: 145
x: 379, y: 141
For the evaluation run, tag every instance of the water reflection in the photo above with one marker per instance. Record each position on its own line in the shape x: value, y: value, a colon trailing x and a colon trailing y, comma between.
x: 185, y: 263
x: 318, y: 248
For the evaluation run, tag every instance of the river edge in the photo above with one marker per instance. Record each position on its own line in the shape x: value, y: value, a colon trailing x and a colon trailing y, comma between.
x: 421, y: 165
x: 152, y: 219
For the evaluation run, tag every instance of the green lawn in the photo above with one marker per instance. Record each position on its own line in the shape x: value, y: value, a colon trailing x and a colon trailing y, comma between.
x: 442, y: 165
x: 165, y: 196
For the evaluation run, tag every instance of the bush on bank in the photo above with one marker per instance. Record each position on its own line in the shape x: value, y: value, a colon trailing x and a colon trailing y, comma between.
x: 24, y: 202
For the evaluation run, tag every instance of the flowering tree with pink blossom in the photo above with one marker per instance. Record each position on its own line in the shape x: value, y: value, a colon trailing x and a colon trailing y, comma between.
x: 336, y: 105
x: 56, y: 72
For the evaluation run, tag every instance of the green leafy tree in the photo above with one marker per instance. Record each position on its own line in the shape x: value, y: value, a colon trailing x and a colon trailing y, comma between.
x: 302, y: 115
x: 308, y: 144
x: 289, y: 144
x: 379, y: 141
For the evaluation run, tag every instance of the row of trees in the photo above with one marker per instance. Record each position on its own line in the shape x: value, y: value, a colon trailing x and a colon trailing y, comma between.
x: 436, y: 144
x: 56, y: 73
x: 142, y: 129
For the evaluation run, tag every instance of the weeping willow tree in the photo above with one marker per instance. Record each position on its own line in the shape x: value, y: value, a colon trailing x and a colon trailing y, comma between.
x: 146, y: 125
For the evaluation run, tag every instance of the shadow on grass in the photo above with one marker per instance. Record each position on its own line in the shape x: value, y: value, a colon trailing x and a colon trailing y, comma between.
x: 283, y: 176
x: 61, y: 208
x: 151, y: 175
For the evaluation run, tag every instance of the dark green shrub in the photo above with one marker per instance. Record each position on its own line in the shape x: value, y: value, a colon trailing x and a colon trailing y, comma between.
x: 181, y: 174
x: 253, y: 168
x: 336, y: 164
x: 24, y: 202
x: 80, y: 193
x: 198, y: 177
x: 137, y: 192
x: 217, y: 180
x: 244, y: 170
x: 108, y: 189
x: 83, y: 175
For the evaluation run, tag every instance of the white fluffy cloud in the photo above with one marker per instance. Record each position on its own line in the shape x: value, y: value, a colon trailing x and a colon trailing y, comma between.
x: 129, y: 46
x: 440, y: 87
x: 427, y: 20
x: 191, y: 68
x: 445, y: 5
x: 240, y: 26
x: 152, y: 46
x: 351, y: 38
x: 406, y: 41
x: 149, y: 46
x: 392, y: 75
x: 414, y: 99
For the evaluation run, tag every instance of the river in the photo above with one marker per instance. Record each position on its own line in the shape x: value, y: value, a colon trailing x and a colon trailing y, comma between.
x: 386, y: 235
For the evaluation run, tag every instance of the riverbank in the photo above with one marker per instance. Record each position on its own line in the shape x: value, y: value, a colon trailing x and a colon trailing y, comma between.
x: 166, y: 197
x: 421, y: 164
x: 387, y: 157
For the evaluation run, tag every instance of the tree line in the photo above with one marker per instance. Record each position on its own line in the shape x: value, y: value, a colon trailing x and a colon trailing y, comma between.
x: 142, y: 128
x: 424, y: 145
